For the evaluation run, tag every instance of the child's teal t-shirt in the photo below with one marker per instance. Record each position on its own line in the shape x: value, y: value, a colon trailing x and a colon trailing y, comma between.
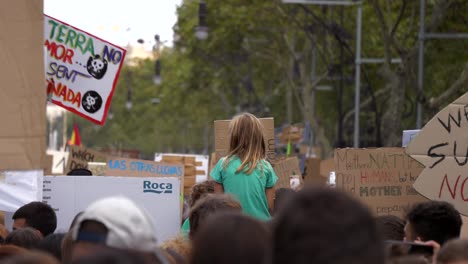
x: 185, y: 229
x: 249, y: 189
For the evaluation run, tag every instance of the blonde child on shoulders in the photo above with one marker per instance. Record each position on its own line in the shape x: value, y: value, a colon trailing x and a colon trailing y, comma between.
x: 244, y: 172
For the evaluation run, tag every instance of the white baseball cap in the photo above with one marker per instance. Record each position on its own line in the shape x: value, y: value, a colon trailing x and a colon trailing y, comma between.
x: 129, y: 225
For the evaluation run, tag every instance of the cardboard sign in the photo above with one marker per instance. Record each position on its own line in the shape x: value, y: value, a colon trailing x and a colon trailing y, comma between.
x: 221, y: 129
x: 382, y: 178
x: 142, y: 168
x: 284, y: 169
x: 293, y: 134
x: 22, y: 104
x: 312, y: 172
x: 81, y: 69
x: 442, y: 147
x: 159, y: 196
x: 78, y: 158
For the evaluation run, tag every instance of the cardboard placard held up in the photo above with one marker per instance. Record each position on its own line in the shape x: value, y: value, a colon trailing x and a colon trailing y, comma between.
x: 442, y: 147
x: 292, y: 133
x: 284, y: 169
x: 78, y: 158
x: 382, y: 178
x: 22, y: 102
x: 312, y: 172
x: 82, y: 69
x: 326, y: 167
x: 221, y: 129
x: 142, y: 168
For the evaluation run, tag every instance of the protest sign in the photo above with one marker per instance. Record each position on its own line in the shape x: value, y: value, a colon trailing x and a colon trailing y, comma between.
x: 442, y: 147
x: 159, y: 196
x: 78, y: 158
x: 22, y: 104
x: 200, y: 163
x: 285, y: 169
x: 81, y: 69
x: 408, y: 135
x: 312, y: 172
x: 381, y: 177
x: 18, y: 188
x: 142, y: 168
x: 221, y: 129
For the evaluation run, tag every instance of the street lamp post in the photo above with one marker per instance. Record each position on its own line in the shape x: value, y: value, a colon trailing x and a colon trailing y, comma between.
x: 157, y: 65
x: 201, y: 31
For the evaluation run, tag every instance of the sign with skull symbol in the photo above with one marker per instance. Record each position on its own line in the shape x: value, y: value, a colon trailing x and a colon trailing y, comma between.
x: 81, y: 69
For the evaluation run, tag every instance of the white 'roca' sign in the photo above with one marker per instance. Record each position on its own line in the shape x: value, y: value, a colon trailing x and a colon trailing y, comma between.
x: 442, y: 147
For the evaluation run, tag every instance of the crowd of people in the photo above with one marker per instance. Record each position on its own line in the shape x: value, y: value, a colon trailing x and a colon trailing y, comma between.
x: 239, y: 217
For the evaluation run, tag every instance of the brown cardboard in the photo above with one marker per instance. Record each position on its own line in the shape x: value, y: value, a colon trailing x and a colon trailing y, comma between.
x: 222, y: 137
x: 23, y: 89
x: 293, y: 134
x: 442, y: 147
x: 327, y: 166
x: 382, y: 178
x: 312, y: 172
x: 78, y: 158
x: 189, y: 181
x: 284, y: 169
x: 49, y: 160
x: 143, y: 168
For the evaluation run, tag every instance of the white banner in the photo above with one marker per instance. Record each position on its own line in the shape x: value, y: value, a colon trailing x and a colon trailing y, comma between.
x: 18, y: 188
x: 160, y: 196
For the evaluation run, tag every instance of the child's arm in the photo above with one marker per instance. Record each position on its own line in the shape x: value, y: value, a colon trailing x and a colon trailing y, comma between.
x: 270, y: 194
x: 218, y: 188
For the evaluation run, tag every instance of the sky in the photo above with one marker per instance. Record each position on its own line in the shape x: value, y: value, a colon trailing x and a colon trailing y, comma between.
x: 118, y: 21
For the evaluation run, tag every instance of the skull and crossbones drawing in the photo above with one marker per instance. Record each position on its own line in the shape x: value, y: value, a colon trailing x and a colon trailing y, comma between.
x: 97, y: 66
x: 91, y: 102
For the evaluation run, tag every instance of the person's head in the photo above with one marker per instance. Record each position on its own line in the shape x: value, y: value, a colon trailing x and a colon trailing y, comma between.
x: 282, y: 195
x: 37, y: 215
x: 433, y: 220
x: 115, y: 222
x: 409, y: 259
x: 80, y: 172
x: 114, y: 256
x: 200, y: 190
x: 52, y: 244
x: 246, y: 141
x: 231, y: 237
x: 25, y: 237
x: 454, y: 252
x: 208, y: 205
x: 31, y: 257
x: 7, y: 251
x: 326, y: 226
x: 391, y: 227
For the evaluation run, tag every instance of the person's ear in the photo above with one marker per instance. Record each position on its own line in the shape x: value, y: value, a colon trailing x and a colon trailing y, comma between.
x: 38, y: 233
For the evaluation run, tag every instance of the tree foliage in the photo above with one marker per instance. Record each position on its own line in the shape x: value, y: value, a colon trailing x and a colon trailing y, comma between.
x: 259, y: 57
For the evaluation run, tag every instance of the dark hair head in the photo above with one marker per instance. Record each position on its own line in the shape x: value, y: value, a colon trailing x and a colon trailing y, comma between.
x: 282, y: 195
x: 434, y: 220
x: 207, y: 206
x: 112, y: 255
x: 7, y: 251
x: 52, y: 244
x: 201, y: 189
x: 391, y: 227
x: 453, y: 251
x: 409, y: 259
x: 31, y: 257
x: 231, y: 237
x: 326, y: 226
x: 24, y: 237
x: 80, y: 172
x: 38, y: 215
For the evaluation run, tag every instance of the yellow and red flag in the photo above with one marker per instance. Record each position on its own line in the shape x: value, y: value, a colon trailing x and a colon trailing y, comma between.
x: 75, y: 137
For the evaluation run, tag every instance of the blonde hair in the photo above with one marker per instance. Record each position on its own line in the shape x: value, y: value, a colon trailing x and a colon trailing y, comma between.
x: 246, y: 142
